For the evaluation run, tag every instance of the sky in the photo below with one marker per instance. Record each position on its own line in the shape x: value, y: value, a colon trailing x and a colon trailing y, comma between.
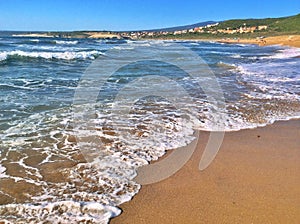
x: 120, y: 15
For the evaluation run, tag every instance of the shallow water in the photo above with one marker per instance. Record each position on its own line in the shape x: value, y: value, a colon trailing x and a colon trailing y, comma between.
x: 44, y: 173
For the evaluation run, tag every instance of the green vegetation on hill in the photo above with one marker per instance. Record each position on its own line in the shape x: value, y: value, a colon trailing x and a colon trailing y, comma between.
x: 236, y: 23
x: 287, y: 24
x: 234, y: 28
x: 283, y: 24
x: 275, y: 26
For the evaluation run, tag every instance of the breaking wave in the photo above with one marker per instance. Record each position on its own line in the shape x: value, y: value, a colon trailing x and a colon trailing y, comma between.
x: 67, y: 55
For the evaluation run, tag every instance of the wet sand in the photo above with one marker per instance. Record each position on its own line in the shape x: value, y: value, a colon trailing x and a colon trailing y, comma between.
x: 255, y: 178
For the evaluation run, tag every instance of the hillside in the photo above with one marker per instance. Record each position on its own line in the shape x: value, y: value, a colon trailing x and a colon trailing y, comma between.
x: 186, y: 27
x: 283, y: 24
x: 234, y: 28
x: 239, y: 28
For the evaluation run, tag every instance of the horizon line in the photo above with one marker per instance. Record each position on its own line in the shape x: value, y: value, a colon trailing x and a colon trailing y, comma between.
x: 144, y: 30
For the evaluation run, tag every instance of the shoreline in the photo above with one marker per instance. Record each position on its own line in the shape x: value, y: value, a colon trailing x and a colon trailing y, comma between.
x: 291, y: 40
x: 253, y: 179
x: 284, y: 40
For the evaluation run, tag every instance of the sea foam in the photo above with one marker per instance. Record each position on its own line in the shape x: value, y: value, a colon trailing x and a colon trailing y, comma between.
x: 285, y: 53
x: 39, y: 138
x: 67, y: 55
x: 66, y: 42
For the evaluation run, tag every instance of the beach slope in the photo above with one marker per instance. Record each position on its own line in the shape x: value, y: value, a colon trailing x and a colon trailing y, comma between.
x: 255, y: 178
x: 286, y: 40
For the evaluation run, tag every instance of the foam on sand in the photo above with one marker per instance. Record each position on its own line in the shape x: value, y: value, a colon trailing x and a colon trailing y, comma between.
x: 41, y: 147
x: 59, y: 212
x: 2, y: 171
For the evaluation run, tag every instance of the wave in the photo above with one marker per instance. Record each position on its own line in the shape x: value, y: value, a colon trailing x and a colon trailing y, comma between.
x: 225, y: 65
x: 3, y: 56
x: 66, y: 42
x: 34, y: 40
x: 48, y: 41
x: 91, y: 192
x: 60, y: 212
x: 52, y: 48
x: 268, y: 82
x: 244, y: 45
x: 123, y: 48
x: 285, y: 53
x: 236, y: 56
x: 67, y: 55
x: 12, y: 87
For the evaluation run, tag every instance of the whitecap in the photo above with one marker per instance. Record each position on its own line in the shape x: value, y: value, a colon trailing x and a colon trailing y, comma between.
x: 67, y: 55
x: 123, y: 48
x: 285, y: 53
x: 66, y: 42
x: 34, y: 40
x: 236, y: 56
x: 3, y: 56
x: 226, y: 65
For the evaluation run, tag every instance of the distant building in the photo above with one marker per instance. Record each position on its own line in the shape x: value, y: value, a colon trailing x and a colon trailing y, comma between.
x: 198, y: 29
x: 262, y: 27
x: 252, y: 29
x: 177, y: 32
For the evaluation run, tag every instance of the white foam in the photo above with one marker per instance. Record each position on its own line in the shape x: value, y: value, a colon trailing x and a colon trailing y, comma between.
x: 236, y: 56
x: 57, y: 48
x: 129, y: 147
x: 243, y: 45
x: 275, y: 79
x: 67, y: 55
x: 3, y: 56
x: 2, y: 171
x: 223, y: 64
x: 285, y: 53
x: 122, y: 48
x: 66, y: 42
x: 34, y: 40
x: 60, y: 212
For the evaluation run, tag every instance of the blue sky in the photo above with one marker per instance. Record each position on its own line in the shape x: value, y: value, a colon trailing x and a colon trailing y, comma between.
x: 30, y: 15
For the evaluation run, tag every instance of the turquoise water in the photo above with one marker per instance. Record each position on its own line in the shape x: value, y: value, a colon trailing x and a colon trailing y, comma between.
x: 39, y: 155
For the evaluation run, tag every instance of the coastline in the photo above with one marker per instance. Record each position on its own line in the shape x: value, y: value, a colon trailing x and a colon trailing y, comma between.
x: 285, y: 40
x: 253, y: 179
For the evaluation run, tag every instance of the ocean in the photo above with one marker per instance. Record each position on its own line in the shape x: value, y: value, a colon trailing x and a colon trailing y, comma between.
x: 79, y: 116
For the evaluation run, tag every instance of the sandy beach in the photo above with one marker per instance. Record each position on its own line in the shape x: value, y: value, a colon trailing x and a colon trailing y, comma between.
x: 286, y: 40
x: 254, y: 179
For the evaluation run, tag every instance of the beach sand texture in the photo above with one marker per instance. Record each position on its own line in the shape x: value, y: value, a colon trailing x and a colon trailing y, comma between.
x: 286, y: 40
x: 255, y: 178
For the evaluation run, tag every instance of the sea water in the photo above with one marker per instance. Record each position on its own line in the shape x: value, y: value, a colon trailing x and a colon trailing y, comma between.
x: 44, y: 174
